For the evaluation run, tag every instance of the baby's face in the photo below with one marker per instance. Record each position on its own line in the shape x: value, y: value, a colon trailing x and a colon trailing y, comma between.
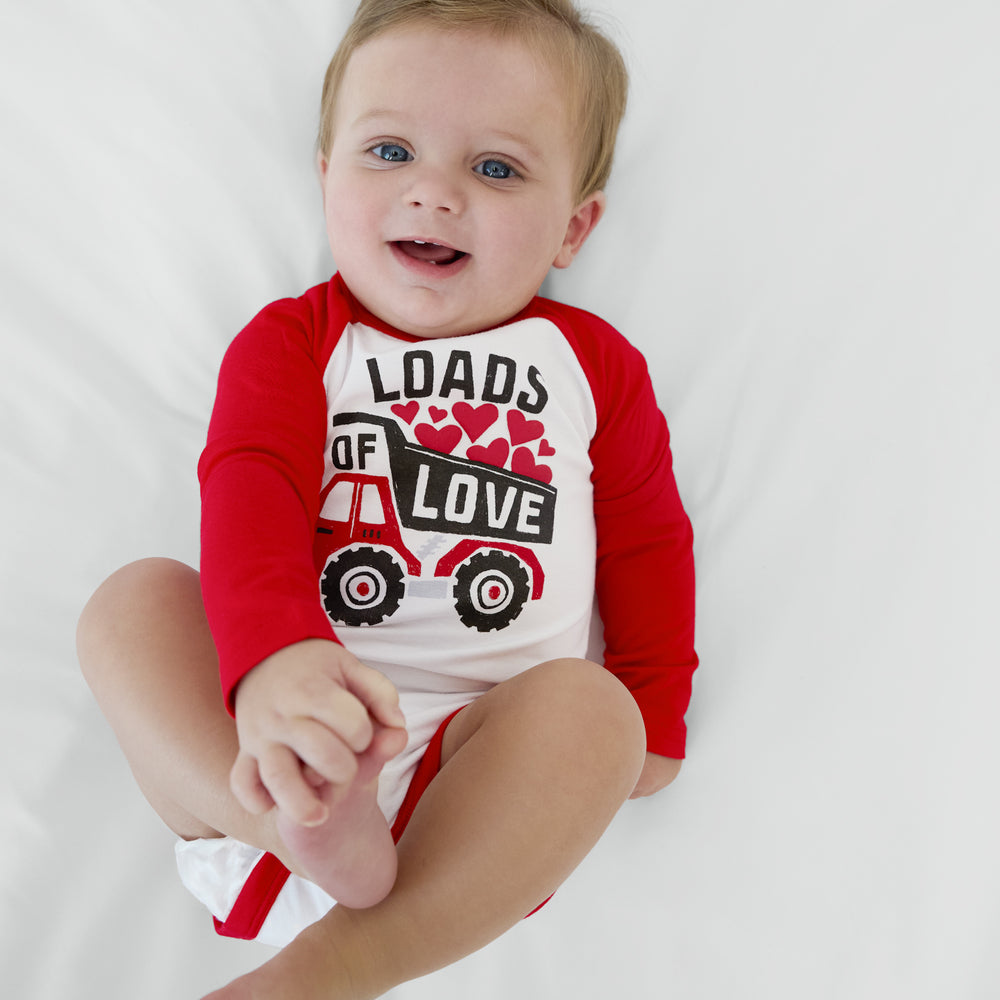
x: 449, y: 186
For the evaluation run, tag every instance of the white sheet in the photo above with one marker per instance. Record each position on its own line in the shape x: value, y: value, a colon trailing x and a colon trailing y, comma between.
x: 804, y: 237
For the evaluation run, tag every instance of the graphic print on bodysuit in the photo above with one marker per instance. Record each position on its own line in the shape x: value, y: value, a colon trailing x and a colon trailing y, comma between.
x: 473, y: 484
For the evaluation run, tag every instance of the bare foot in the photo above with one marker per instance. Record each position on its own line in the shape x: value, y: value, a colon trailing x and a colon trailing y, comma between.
x: 351, y: 855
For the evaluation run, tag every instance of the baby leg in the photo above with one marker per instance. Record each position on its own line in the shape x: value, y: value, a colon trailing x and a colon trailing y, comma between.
x: 148, y: 656
x: 532, y: 774
x: 147, y: 653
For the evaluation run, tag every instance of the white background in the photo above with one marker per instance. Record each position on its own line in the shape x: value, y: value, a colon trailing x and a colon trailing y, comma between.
x: 803, y: 237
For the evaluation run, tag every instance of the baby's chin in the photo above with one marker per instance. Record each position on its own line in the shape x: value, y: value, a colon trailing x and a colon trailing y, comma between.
x: 427, y: 318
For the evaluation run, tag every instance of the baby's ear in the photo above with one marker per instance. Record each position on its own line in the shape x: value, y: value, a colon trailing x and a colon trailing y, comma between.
x: 581, y: 224
x: 322, y: 163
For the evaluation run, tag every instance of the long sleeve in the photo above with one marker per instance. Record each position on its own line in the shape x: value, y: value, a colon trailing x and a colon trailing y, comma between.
x: 645, y: 577
x: 260, y: 478
x: 645, y: 563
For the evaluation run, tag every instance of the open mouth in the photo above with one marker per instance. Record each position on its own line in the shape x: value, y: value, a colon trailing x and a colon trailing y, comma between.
x: 429, y: 253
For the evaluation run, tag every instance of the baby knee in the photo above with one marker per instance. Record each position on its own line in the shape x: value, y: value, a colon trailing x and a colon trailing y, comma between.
x: 597, y: 707
x: 123, y: 602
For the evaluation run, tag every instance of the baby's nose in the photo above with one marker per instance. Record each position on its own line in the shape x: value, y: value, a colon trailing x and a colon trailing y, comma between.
x: 435, y: 189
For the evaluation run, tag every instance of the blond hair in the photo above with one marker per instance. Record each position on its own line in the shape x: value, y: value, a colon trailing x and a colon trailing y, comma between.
x: 587, y: 58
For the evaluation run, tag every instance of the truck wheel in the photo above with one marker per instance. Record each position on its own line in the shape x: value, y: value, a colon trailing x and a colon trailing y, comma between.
x: 361, y: 587
x: 490, y: 590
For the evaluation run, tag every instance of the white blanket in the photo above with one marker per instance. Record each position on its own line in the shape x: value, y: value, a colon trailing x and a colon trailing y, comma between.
x: 803, y: 237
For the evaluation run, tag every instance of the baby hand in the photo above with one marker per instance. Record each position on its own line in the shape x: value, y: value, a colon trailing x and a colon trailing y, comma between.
x: 305, y: 716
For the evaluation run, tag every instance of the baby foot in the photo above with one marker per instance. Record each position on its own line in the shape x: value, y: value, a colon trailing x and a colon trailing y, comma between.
x: 351, y: 855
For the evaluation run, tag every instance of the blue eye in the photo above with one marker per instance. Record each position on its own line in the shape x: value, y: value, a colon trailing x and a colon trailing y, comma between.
x: 496, y: 170
x: 391, y: 152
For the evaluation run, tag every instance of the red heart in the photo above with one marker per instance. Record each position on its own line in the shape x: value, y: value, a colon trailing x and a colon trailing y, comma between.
x: 406, y: 410
x: 524, y: 464
x: 474, y: 419
x: 495, y: 454
x: 443, y: 439
x: 437, y: 414
x: 521, y: 429
x: 545, y: 449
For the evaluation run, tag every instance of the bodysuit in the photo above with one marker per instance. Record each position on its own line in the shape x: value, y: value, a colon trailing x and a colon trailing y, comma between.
x: 446, y: 509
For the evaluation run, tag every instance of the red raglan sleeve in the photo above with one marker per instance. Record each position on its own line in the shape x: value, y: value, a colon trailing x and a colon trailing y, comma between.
x: 645, y: 562
x: 260, y: 476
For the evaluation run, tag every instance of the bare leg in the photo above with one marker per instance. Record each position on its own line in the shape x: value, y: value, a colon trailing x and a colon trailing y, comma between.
x: 148, y: 656
x: 534, y: 771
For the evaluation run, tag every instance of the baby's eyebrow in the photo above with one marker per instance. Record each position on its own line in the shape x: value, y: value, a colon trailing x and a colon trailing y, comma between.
x: 518, y: 140
x: 374, y: 116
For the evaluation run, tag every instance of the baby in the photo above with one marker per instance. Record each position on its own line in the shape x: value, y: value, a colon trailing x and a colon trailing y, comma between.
x: 416, y: 476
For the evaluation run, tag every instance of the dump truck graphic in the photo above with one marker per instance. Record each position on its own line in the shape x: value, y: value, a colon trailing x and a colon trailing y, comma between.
x: 365, y: 566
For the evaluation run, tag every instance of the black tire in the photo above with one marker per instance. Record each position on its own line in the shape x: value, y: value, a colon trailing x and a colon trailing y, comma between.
x: 490, y: 590
x: 361, y: 586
